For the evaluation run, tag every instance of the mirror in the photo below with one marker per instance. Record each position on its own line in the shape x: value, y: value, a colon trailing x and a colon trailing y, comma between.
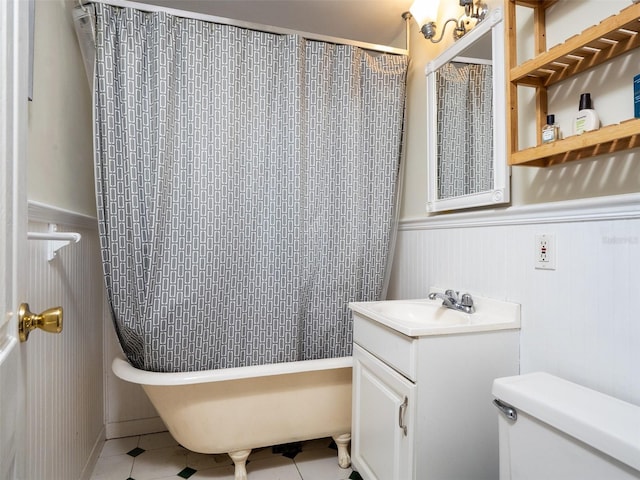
x: 466, y: 89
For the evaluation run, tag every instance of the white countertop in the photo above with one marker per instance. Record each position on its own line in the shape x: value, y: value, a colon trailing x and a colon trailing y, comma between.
x: 421, y: 317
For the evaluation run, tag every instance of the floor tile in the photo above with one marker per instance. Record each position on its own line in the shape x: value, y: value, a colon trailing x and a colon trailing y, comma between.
x: 157, y: 440
x: 163, y: 459
x: 113, y: 467
x: 261, y: 453
x: 317, y: 443
x: 275, y: 468
x: 289, y: 450
x: 118, y: 446
x: 134, y: 452
x: 158, y: 463
x: 172, y: 477
x: 321, y: 464
x: 187, y: 472
x: 220, y: 473
x: 200, y: 461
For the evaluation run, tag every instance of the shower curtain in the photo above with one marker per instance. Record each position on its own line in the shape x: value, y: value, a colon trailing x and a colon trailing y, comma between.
x: 464, y: 129
x: 246, y: 186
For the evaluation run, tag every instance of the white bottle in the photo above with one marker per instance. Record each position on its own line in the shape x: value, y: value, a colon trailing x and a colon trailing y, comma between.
x: 587, y: 118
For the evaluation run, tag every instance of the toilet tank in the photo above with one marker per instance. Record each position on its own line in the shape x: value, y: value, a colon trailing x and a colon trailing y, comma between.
x: 564, y: 431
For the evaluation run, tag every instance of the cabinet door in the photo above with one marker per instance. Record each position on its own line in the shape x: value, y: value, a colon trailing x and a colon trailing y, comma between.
x: 383, y: 420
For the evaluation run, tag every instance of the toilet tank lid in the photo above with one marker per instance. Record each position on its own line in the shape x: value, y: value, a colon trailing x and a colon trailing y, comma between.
x: 606, y: 423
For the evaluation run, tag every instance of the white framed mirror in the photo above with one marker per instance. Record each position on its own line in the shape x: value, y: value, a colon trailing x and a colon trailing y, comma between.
x: 466, y: 121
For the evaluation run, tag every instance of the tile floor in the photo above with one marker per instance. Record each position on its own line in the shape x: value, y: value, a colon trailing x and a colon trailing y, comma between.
x: 159, y: 457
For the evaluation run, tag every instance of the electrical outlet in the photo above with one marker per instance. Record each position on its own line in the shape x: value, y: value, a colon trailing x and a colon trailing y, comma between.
x: 545, y: 252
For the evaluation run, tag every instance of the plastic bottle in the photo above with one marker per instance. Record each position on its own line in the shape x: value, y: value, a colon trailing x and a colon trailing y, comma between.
x: 587, y: 118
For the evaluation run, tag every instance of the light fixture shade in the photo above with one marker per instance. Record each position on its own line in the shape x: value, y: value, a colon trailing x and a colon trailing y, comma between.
x: 425, y: 11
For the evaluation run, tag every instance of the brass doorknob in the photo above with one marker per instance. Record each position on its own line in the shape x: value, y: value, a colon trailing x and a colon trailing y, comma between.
x: 50, y: 321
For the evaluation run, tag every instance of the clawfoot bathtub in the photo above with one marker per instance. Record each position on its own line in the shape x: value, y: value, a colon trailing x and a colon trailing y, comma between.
x: 238, y: 409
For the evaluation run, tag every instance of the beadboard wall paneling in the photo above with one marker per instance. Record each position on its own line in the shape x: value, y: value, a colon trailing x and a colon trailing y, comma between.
x: 580, y: 321
x: 64, y: 372
x: 128, y: 409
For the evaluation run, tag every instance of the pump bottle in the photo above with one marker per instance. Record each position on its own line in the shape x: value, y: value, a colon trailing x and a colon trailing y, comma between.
x: 587, y: 118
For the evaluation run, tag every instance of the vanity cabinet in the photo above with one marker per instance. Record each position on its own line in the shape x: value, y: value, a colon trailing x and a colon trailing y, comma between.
x: 384, y: 447
x: 422, y: 403
x: 614, y: 36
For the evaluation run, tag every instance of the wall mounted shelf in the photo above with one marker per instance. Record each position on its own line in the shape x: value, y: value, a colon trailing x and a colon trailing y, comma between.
x: 610, y: 139
x: 536, y: 3
x: 614, y: 36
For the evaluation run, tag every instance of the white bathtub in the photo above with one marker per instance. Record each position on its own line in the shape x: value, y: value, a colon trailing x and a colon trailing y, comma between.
x: 237, y: 409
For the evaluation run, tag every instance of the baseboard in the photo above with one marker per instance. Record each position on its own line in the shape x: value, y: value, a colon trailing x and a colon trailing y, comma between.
x: 87, y: 471
x: 132, y: 428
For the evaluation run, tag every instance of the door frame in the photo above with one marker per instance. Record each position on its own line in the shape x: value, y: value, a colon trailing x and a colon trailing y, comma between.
x: 14, y: 54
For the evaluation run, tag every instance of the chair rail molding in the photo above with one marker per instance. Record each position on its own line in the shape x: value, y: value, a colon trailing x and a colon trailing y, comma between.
x: 615, y: 207
x: 41, y: 212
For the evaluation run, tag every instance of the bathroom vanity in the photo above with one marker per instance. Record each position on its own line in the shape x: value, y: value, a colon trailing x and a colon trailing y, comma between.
x: 422, y: 377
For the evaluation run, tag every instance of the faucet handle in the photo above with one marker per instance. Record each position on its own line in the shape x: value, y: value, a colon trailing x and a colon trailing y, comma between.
x: 451, y: 294
x: 466, y: 300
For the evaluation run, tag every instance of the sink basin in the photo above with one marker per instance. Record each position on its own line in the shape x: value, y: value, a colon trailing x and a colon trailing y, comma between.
x: 431, y: 313
x: 428, y: 317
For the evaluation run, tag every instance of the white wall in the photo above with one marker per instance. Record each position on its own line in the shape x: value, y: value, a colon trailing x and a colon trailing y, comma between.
x: 60, y: 148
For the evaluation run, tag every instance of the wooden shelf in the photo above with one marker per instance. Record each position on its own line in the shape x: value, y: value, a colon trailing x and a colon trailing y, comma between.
x: 596, y: 45
x: 614, y: 138
x: 612, y: 37
x: 536, y: 3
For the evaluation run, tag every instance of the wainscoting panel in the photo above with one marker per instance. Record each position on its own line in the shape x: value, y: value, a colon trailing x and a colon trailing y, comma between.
x: 580, y: 321
x: 64, y: 372
x: 129, y: 411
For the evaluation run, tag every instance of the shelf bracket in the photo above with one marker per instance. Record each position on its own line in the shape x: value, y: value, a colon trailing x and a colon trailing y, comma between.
x: 56, y: 240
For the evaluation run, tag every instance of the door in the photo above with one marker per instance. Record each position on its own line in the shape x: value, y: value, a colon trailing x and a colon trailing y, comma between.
x: 383, y: 420
x: 13, y: 130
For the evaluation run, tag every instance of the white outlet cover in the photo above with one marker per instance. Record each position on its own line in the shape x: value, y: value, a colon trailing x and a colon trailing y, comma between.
x: 545, y: 252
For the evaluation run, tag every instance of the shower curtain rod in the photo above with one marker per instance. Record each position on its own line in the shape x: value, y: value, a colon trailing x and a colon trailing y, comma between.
x: 145, y: 7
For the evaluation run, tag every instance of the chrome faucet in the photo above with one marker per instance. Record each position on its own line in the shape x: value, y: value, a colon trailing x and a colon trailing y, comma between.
x: 451, y: 299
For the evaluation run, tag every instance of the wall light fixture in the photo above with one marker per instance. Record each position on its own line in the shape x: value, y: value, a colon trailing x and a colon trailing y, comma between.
x: 425, y: 13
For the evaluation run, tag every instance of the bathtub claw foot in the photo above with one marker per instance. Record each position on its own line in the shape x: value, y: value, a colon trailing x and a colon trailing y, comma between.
x: 342, y: 442
x: 239, y: 458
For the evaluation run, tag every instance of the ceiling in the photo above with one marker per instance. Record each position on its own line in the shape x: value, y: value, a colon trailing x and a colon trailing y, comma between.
x: 372, y: 21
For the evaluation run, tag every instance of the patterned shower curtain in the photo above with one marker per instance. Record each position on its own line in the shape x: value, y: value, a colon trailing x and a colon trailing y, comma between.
x: 465, y: 129
x: 245, y: 184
